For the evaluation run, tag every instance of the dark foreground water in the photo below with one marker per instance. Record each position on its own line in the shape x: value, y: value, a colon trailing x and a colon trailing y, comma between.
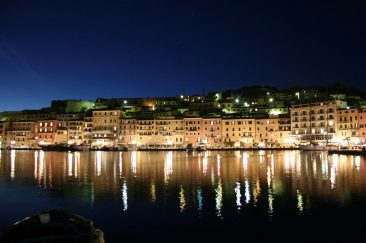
x: 176, y: 196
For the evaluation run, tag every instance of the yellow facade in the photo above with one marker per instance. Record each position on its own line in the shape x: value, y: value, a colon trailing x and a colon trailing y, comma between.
x: 106, y: 127
x: 238, y: 132
x: 127, y: 132
x: 20, y: 134
x: 267, y: 132
x: 348, y: 126
x: 212, y: 131
x: 75, y: 131
x: 88, y: 130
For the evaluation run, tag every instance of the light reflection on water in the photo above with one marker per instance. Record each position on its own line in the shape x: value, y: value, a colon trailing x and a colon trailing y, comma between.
x: 206, y: 184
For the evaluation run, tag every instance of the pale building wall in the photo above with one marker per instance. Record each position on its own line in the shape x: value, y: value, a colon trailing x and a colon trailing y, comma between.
x: 238, y: 132
x: 20, y: 134
x: 315, y: 121
x: 348, y: 126
x: 193, y: 130
x: 211, y: 129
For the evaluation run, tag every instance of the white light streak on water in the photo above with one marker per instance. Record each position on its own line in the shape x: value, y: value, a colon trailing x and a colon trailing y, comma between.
x: 99, y: 163
x: 134, y: 162
x: 124, y: 196
x: 247, y: 192
x: 218, y: 199
x: 182, y: 200
x: 238, y: 195
x: 12, y: 164
x: 69, y: 164
x: 300, y: 202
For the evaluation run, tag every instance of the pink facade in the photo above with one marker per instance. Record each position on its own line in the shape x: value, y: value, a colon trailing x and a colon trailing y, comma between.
x: 46, y: 131
x: 362, y: 126
x: 192, y: 130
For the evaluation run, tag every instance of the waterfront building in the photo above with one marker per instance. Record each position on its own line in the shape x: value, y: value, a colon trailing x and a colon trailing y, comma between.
x: 193, y: 130
x: 211, y: 129
x: 362, y: 126
x: 75, y: 131
x: 317, y: 121
x: 284, y: 136
x: 50, y: 132
x: 267, y: 131
x: 238, y: 132
x: 348, y: 133
x: 88, y: 129
x: 106, y: 125
x: 127, y: 132
x: 169, y: 133
x: 145, y: 131
x: 20, y: 134
x: 3, y: 125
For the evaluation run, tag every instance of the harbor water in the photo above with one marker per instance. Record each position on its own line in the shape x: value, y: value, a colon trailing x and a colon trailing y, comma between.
x: 136, y: 196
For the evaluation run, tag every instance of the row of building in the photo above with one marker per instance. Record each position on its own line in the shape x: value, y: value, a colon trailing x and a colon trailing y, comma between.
x: 324, y: 122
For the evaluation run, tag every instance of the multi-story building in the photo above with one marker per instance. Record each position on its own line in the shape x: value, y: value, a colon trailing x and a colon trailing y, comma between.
x: 362, y: 126
x: 106, y: 125
x: 145, y: 131
x: 284, y: 136
x: 75, y: 131
x: 238, y: 132
x: 127, y: 132
x: 211, y: 129
x: 20, y: 134
x: 169, y: 133
x: 348, y: 126
x: 51, y: 132
x: 88, y: 129
x: 193, y: 130
x: 267, y: 131
x: 3, y: 125
x: 316, y: 121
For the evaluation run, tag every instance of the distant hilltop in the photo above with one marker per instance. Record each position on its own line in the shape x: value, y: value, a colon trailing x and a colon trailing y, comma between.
x: 251, y: 100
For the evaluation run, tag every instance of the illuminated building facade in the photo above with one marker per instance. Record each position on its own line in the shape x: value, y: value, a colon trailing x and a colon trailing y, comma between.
x: 316, y: 121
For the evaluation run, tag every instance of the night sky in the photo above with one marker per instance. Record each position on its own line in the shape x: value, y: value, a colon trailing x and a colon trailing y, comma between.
x: 63, y: 49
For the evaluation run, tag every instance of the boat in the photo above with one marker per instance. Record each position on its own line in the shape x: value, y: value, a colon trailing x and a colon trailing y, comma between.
x: 79, y: 147
x: 312, y: 147
x: 201, y: 147
x: 56, y: 147
x: 55, y: 225
x: 190, y: 148
x: 350, y: 150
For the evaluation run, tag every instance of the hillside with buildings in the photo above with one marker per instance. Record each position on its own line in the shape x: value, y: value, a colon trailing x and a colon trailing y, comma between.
x: 256, y: 116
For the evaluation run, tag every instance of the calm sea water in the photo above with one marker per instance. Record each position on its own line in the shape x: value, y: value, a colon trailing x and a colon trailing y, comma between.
x: 177, y: 196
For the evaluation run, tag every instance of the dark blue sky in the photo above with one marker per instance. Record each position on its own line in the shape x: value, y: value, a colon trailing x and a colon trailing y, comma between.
x: 87, y: 49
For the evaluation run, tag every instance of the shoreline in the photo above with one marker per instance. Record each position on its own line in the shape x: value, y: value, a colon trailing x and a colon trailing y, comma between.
x: 158, y: 149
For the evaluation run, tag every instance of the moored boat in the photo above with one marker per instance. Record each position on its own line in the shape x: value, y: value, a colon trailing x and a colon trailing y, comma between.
x: 56, y: 225
x: 201, y: 147
x: 311, y: 147
x: 56, y: 147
